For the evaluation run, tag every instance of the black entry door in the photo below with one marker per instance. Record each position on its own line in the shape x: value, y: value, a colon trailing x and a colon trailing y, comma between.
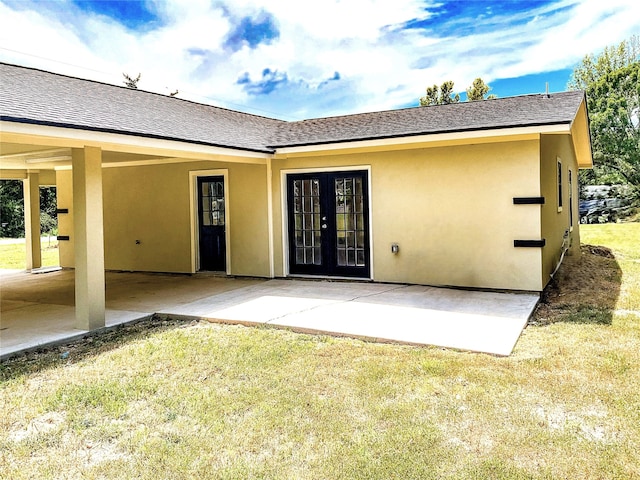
x: 329, y: 224
x: 211, y: 215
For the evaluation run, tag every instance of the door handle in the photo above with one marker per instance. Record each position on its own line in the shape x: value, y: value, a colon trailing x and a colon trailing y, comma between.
x: 324, y: 226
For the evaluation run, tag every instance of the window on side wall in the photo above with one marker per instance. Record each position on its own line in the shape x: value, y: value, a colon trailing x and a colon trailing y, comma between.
x: 570, y: 177
x: 559, y: 185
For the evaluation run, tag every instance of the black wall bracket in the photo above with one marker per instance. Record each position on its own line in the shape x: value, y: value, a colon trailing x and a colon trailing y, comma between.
x: 62, y: 210
x: 529, y: 243
x: 63, y: 237
x: 528, y: 200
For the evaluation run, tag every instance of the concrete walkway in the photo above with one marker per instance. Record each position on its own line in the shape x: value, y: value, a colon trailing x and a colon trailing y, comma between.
x: 38, y: 309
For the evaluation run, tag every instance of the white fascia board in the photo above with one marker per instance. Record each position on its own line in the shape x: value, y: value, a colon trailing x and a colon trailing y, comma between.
x: 421, y: 140
x: 117, y: 142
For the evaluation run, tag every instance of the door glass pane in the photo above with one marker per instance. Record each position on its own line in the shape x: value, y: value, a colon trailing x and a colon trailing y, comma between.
x: 307, y: 222
x: 350, y: 228
x: 342, y: 257
x: 212, y: 201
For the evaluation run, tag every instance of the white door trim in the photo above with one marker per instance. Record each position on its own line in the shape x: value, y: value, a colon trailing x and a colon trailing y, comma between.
x: 195, y: 220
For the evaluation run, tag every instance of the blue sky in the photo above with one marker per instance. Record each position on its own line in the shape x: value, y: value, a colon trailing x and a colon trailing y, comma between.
x: 294, y: 60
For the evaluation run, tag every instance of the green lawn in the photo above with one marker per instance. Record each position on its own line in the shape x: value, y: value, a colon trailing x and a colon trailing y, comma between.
x: 14, y: 255
x: 199, y: 400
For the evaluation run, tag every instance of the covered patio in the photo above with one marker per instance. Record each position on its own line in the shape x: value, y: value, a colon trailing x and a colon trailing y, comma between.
x: 38, y: 309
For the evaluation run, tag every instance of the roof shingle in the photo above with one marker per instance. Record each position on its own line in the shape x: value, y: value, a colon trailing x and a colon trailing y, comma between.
x: 525, y: 110
x: 34, y: 96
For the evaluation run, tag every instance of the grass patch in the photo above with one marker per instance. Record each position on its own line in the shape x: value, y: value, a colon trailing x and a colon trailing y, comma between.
x: 169, y: 399
x: 14, y: 255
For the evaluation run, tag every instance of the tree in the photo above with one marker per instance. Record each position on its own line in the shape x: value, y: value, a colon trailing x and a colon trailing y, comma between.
x: 440, y: 96
x: 612, y: 101
x: 478, y: 90
x: 444, y: 94
x: 11, y: 209
x: 131, y: 82
x: 612, y: 58
x: 614, y: 110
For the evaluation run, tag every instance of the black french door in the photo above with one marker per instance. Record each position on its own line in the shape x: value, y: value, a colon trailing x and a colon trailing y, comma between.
x: 211, y: 219
x: 329, y: 223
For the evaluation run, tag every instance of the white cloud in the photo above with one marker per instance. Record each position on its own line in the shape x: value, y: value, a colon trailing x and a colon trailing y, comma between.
x: 380, y: 65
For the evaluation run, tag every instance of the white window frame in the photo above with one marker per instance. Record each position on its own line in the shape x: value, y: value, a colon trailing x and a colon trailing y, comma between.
x: 571, y: 209
x: 559, y: 185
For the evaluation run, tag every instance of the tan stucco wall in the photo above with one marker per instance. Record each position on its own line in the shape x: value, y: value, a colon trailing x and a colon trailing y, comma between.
x: 152, y: 204
x: 554, y: 223
x: 449, y: 208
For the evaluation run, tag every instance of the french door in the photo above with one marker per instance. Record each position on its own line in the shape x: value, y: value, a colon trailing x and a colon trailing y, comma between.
x: 328, y: 223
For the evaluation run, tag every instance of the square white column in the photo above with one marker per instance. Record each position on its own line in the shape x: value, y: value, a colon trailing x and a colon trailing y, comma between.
x: 31, y: 188
x: 88, y: 231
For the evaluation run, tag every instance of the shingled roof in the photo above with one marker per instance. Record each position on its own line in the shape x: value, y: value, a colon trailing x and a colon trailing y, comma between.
x: 509, y: 112
x: 34, y: 96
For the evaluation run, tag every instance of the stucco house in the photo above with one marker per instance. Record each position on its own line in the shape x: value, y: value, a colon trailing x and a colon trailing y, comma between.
x: 478, y: 194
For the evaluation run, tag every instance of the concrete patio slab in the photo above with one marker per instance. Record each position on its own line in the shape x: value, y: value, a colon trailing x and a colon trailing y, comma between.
x: 38, y: 309
x: 487, y: 322
x: 35, y: 324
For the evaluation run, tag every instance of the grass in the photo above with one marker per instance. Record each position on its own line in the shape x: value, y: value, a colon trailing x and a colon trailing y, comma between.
x: 196, y: 400
x: 13, y: 255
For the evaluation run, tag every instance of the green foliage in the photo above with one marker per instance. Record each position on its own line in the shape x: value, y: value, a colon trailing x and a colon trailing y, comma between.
x: 478, y: 90
x: 610, y: 80
x: 48, y: 215
x: 440, y: 95
x: 444, y: 94
x: 594, y: 67
x: 614, y: 106
x: 11, y: 209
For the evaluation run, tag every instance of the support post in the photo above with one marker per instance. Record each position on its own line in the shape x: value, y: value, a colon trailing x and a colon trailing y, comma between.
x: 31, y: 188
x: 88, y: 235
